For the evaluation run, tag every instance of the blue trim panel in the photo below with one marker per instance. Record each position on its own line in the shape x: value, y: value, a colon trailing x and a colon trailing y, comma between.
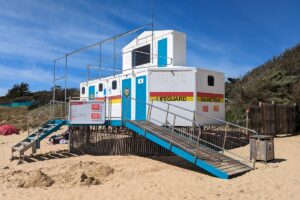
x: 91, y: 92
x: 126, y: 112
x: 162, y: 52
x: 140, y: 104
x: 187, y: 156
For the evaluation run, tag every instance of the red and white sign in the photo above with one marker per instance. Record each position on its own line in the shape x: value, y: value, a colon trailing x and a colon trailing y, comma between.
x: 87, y: 112
x: 96, y: 106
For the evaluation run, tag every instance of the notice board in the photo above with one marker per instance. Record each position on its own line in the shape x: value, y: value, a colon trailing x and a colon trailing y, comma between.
x: 87, y: 112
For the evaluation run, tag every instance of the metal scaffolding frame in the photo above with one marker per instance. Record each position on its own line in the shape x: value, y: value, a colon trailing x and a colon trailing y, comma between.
x: 78, y: 51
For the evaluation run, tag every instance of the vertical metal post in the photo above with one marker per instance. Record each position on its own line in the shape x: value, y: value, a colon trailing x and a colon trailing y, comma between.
x: 167, y: 114
x: 54, y: 85
x: 87, y: 74
x: 173, y: 128
x: 149, y: 111
x: 61, y: 109
x: 152, y: 27
x: 197, y: 144
x: 28, y: 126
x: 247, y: 121
x: 100, y: 60
x: 114, y: 57
x: 66, y: 67
x: 225, y: 137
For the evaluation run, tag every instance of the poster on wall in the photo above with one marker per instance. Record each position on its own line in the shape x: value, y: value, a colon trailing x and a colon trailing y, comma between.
x: 87, y: 112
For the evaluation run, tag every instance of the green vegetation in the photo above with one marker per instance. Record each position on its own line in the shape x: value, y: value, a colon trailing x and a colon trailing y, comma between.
x: 20, y: 92
x: 39, y: 112
x: 276, y: 80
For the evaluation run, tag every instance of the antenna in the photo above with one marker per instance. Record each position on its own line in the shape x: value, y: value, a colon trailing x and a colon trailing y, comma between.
x: 152, y: 26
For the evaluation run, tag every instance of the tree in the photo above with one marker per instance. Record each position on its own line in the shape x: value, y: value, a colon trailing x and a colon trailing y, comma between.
x: 19, y: 90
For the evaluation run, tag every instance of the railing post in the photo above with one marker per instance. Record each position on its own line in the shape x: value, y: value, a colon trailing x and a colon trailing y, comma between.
x: 149, y: 111
x: 225, y: 137
x: 257, y: 142
x: 197, y: 144
x: 173, y: 128
x: 28, y: 126
x: 61, y: 110
x: 167, y: 114
x: 109, y: 108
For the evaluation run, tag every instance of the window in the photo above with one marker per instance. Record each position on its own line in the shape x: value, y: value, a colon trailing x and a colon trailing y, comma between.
x: 140, y: 55
x: 100, y: 87
x: 210, y: 80
x: 114, y: 84
x: 83, y: 90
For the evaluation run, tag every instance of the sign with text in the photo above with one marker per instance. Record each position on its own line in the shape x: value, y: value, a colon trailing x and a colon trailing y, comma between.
x: 87, y: 112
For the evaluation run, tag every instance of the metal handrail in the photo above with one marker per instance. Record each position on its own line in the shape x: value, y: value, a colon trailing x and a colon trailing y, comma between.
x: 29, y: 117
x: 197, y: 124
x: 223, y: 121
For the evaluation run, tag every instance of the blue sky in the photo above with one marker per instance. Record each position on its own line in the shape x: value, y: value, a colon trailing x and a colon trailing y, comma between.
x: 232, y: 36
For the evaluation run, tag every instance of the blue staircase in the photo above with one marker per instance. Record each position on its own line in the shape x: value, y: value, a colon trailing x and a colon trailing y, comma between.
x: 34, y: 139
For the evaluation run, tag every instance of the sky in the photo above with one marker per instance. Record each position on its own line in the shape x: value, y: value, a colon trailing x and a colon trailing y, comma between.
x: 231, y: 36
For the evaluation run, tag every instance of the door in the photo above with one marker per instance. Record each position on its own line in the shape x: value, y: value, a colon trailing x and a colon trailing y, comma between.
x: 91, y: 92
x: 140, y: 109
x: 126, y: 99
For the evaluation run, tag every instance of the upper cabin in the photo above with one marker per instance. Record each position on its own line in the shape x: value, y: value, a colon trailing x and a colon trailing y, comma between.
x: 169, y: 49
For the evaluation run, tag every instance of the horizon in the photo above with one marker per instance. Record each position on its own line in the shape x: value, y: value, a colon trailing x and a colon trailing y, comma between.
x: 233, y: 37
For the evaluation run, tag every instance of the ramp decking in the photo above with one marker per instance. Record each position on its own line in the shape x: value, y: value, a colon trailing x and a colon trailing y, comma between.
x: 206, y: 158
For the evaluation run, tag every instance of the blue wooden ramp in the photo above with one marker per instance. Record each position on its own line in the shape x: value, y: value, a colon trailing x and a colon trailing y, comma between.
x: 33, y: 140
x: 201, y: 155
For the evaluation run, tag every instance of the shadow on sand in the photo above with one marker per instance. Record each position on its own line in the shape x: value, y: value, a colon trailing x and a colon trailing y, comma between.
x: 48, y: 156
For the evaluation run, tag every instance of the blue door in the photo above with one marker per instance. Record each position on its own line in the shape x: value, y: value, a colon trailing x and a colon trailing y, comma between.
x: 162, y: 53
x: 126, y: 98
x: 91, y: 92
x: 140, y: 105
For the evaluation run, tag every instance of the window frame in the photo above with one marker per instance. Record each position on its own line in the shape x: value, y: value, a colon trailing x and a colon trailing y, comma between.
x: 83, y: 90
x: 116, y: 85
x: 102, y: 87
x: 210, y: 80
x: 138, y: 55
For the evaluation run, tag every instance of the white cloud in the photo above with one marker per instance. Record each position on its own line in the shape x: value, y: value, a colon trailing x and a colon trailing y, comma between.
x: 30, y: 74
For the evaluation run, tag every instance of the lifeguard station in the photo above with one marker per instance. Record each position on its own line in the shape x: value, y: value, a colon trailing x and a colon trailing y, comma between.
x: 173, y: 108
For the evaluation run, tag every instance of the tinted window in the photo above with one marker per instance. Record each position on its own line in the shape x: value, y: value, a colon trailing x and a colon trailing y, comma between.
x: 210, y: 80
x: 83, y: 90
x: 114, y: 85
x: 141, y: 55
x: 100, y: 87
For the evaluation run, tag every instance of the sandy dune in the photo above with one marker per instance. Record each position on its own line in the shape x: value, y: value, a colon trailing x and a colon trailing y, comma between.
x: 66, y: 176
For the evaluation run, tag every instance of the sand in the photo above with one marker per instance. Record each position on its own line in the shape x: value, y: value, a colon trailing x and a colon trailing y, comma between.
x: 59, y: 175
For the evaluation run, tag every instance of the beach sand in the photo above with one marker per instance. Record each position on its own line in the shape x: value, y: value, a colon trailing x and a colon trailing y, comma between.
x: 65, y: 176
